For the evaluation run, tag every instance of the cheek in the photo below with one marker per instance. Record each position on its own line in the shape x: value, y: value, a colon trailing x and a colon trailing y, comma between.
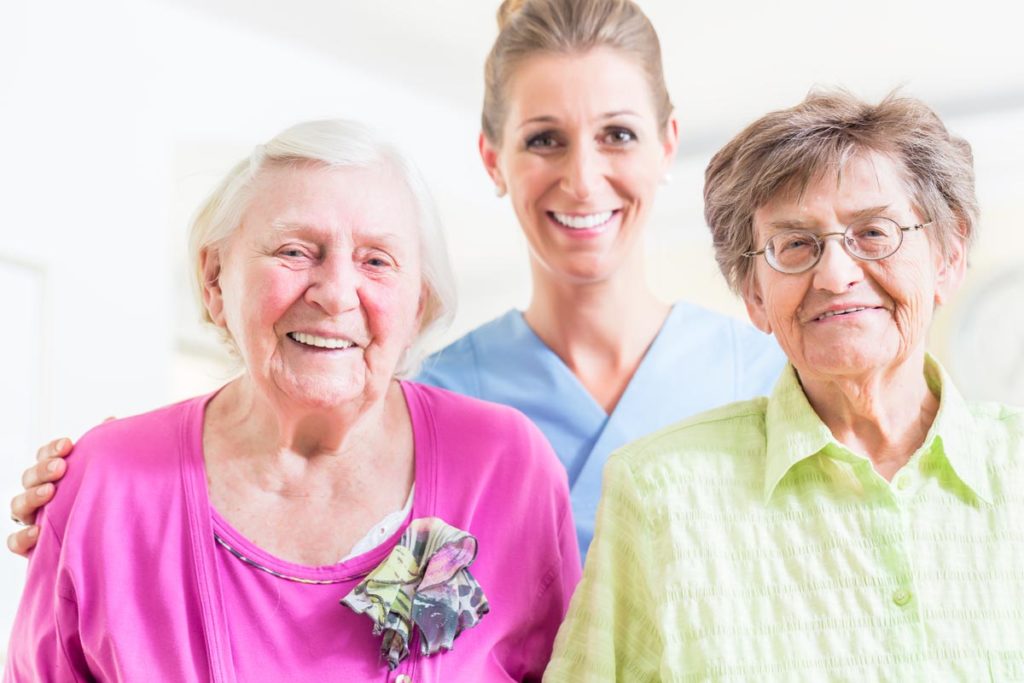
x: 783, y: 302
x: 264, y: 297
x: 391, y: 311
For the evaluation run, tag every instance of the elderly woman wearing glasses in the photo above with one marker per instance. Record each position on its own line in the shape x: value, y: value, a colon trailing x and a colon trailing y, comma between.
x: 863, y: 521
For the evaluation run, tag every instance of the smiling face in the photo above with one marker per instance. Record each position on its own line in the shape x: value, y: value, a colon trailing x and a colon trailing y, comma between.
x: 581, y: 157
x: 320, y: 286
x: 847, y: 317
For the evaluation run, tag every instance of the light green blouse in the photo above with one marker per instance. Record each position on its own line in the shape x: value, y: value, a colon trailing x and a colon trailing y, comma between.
x: 747, y: 544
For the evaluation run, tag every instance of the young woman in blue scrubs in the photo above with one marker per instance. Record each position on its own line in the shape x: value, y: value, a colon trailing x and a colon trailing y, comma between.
x: 578, y: 132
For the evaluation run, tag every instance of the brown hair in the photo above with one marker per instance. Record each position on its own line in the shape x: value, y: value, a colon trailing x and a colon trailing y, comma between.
x: 782, y: 152
x: 526, y: 27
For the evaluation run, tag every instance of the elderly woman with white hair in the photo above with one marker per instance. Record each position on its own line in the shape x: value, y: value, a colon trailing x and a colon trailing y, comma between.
x: 863, y: 522
x: 316, y: 518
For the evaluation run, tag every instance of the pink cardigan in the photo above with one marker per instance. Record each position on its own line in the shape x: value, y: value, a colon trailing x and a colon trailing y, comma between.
x: 128, y: 582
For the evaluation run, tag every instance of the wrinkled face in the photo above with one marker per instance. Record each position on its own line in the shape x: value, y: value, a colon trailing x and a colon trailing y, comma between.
x: 847, y: 317
x: 320, y: 285
x: 581, y: 157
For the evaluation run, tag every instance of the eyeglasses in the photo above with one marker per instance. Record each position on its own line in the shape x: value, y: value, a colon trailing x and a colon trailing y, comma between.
x: 868, y: 239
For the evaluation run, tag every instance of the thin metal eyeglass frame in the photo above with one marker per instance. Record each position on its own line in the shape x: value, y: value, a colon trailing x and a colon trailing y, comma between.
x: 819, y: 241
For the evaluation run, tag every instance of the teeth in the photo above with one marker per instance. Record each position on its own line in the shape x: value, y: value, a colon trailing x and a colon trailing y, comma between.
x: 582, y: 222
x: 320, y: 342
x: 831, y: 314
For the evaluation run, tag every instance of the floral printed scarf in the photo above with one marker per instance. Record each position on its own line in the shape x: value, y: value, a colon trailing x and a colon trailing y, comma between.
x: 424, y: 581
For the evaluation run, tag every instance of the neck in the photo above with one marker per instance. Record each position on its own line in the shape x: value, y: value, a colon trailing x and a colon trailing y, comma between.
x: 884, y: 414
x: 600, y: 330
x: 331, y: 473
x: 273, y: 425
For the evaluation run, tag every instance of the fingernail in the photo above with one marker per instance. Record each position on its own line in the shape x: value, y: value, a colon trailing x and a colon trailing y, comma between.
x: 32, y: 532
x: 61, y: 445
x: 52, y: 465
x: 44, y: 490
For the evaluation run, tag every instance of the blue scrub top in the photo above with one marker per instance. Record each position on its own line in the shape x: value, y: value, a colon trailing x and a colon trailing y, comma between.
x: 699, y: 360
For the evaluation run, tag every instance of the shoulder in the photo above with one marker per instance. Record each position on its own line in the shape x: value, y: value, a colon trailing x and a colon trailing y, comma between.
x: 142, y: 434
x: 756, y: 358
x: 456, y: 366
x: 480, y: 433
x: 716, y: 443
x: 123, y: 455
x: 724, y: 332
x: 998, y: 421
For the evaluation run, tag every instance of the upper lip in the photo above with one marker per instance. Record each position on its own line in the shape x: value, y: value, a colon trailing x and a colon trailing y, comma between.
x: 833, y: 309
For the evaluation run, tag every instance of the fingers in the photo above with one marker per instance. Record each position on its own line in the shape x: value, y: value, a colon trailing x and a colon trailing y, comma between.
x: 42, y: 472
x: 58, y: 447
x: 25, y: 505
x: 23, y: 540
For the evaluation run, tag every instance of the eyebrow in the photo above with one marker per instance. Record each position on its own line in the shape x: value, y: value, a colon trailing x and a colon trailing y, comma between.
x: 547, y: 118
x: 800, y: 224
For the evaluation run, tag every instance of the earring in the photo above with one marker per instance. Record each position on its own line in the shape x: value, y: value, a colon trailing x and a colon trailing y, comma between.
x: 499, y: 190
x: 666, y: 179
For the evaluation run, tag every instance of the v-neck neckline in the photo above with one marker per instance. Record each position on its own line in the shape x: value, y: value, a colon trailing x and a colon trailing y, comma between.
x: 649, y: 353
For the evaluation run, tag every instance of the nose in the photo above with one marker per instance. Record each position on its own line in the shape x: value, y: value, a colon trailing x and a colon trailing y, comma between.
x: 836, y: 271
x: 334, y: 285
x: 581, y: 171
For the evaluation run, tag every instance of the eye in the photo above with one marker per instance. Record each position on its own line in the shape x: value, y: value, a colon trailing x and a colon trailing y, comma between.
x: 377, y: 260
x: 793, y: 241
x: 873, y: 229
x: 543, y: 141
x: 618, y: 136
x: 292, y: 251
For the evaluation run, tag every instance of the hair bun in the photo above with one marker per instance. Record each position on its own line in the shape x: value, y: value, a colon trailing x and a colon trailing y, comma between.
x: 507, y: 10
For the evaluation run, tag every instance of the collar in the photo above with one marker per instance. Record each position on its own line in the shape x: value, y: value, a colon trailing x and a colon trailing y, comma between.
x: 795, y: 432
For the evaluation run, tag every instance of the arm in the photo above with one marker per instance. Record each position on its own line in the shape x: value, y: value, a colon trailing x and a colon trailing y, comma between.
x: 38, y: 481
x: 44, y: 643
x: 611, y: 632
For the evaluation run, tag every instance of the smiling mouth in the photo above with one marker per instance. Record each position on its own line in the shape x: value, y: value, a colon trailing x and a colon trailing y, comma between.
x: 832, y: 314
x: 582, y: 222
x: 320, y: 342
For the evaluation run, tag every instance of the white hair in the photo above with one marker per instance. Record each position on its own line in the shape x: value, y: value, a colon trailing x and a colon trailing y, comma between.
x: 334, y: 143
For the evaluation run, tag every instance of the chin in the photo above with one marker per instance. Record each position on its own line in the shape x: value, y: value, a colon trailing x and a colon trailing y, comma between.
x: 323, y: 392
x: 586, y: 270
x: 849, y: 360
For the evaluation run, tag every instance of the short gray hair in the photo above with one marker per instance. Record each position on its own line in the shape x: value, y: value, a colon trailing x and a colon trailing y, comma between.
x: 333, y: 143
x: 782, y: 152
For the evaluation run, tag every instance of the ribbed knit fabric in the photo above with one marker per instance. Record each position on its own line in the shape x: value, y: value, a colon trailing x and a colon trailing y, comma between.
x: 747, y: 544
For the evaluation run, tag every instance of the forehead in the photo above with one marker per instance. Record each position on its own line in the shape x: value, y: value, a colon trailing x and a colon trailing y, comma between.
x: 586, y: 85
x: 864, y: 180
x: 310, y: 196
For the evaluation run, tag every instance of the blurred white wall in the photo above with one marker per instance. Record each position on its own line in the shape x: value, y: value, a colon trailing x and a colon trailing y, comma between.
x: 118, y: 116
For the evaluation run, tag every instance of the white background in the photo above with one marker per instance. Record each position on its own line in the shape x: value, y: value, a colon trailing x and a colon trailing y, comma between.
x: 116, y: 117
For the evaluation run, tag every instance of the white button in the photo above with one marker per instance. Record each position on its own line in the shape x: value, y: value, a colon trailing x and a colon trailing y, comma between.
x: 403, y: 678
x: 902, y: 483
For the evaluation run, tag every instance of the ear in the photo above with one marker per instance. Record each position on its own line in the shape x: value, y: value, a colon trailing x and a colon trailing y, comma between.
x: 950, y: 269
x: 489, y: 155
x: 670, y: 141
x: 213, y: 298
x: 754, y: 301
